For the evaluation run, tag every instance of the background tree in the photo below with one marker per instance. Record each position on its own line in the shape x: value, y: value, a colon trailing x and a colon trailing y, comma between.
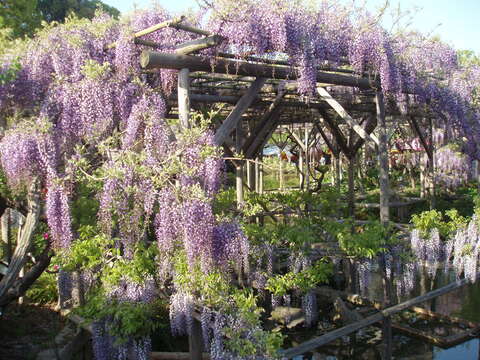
x: 21, y: 16
x: 24, y: 16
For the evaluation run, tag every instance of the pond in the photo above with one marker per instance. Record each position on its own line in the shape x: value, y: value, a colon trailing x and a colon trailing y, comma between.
x: 463, y: 303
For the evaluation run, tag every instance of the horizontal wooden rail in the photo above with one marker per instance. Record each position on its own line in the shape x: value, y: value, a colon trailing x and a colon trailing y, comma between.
x: 174, y: 356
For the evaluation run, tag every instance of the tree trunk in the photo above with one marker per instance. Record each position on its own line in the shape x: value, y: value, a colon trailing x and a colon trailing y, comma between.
x: 25, y: 241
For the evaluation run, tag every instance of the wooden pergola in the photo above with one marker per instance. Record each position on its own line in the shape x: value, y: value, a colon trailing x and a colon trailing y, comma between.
x: 259, y: 95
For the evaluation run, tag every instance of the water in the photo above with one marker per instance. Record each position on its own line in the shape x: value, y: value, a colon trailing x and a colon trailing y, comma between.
x: 462, y: 303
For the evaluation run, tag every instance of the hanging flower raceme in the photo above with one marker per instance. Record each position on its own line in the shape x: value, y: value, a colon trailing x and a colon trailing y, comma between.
x: 58, y: 216
x: 452, y: 168
x: 20, y: 157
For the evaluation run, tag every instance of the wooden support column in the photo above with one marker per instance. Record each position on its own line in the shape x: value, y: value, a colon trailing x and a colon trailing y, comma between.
x: 6, y: 242
x: 239, y: 166
x: 257, y: 173
x: 195, y: 341
x: 384, y: 214
x: 260, y: 176
x: 300, y: 170
x: 280, y: 175
x: 336, y: 170
x: 184, y: 98
x: 432, y: 168
x: 307, y: 160
x: 383, y: 160
x: 251, y: 175
x: 351, y: 187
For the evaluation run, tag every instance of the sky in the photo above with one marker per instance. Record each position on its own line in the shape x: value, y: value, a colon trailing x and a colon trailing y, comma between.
x: 454, y: 21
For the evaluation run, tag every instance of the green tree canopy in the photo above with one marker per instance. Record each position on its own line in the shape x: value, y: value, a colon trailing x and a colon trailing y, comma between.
x: 24, y: 16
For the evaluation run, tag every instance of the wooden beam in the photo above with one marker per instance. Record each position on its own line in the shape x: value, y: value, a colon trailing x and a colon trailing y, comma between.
x: 234, y: 117
x: 369, y: 128
x: 325, y: 137
x: 159, y: 26
x: 232, y: 99
x: 175, y: 356
x: 297, y: 139
x: 263, y: 130
x: 346, y: 330
x: 152, y: 60
x: 146, y: 43
x: 198, y: 44
x: 336, y: 132
x: 264, y: 133
x: 325, y: 95
x: 188, y: 28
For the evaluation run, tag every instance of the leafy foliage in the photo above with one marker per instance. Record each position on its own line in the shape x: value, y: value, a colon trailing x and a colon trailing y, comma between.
x: 302, y: 281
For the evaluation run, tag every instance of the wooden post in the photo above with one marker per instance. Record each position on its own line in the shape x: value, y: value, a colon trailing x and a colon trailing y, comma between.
x: 383, y: 159
x: 6, y: 242
x: 384, y: 213
x: 307, y: 160
x: 422, y: 181
x: 300, y: 169
x: 432, y: 169
x: 195, y: 343
x: 257, y: 174
x: 260, y: 176
x: 78, y: 291
x: 238, y: 166
x: 20, y: 220
x: 476, y: 174
x: 351, y: 187
x: 280, y: 174
x: 251, y: 175
x: 336, y: 166
x: 184, y: 98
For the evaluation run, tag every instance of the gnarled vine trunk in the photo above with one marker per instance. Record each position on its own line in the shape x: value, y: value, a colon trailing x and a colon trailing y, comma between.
x: 12, y: 286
